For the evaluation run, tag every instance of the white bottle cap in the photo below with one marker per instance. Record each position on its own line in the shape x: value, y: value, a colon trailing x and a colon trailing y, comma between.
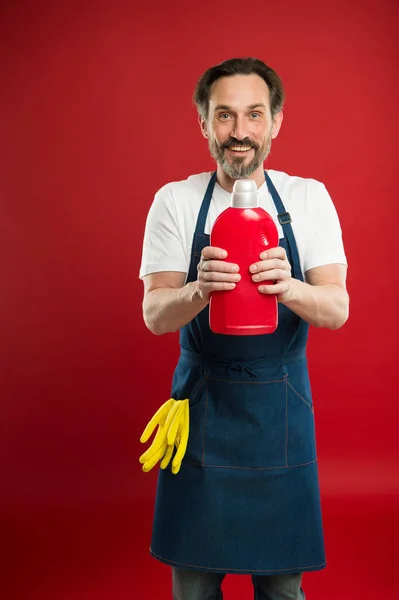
x: 245, y: 194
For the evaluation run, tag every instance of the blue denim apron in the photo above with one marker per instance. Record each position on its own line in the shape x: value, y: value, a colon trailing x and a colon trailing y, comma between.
x: 246, y: 499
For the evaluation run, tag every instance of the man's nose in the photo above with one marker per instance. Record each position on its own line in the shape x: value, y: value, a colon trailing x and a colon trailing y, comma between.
x: 239, y: 130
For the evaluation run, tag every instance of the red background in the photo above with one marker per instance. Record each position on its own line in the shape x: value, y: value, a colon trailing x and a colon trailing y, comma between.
x: 96, y: 115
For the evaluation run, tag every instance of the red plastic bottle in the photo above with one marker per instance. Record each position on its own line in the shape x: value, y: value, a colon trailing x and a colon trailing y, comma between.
x: 244, y: 230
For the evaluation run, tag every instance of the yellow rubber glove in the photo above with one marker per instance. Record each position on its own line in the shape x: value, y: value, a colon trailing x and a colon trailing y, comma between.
x: 174, y: 433
x: 170, y: 419
x: 183, y: 439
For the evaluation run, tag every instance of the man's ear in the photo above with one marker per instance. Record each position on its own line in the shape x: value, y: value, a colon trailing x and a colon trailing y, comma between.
x: 277, y: 122
x: 203, y: 126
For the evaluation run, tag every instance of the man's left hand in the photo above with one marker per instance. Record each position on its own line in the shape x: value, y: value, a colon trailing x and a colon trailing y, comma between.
x: 273, y: 267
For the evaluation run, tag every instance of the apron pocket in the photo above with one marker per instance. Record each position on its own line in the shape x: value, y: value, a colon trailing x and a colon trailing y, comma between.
x: 245, y: 424
x: 250, y: 424
x: 301, y: 445
x: 196, y: 404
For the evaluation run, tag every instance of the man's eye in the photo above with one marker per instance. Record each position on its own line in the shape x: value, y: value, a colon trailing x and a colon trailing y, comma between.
x: 224, y: 116
x: 255, y: 115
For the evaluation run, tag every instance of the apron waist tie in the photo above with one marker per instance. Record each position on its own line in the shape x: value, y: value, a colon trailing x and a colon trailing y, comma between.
x: 206, y: 360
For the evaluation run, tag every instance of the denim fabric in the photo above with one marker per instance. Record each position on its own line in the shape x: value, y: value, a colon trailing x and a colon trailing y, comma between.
x: 197, y: 585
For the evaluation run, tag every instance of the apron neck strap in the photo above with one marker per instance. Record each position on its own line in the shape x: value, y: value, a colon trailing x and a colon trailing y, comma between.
x: 203, y: 213
x: 285, y: 221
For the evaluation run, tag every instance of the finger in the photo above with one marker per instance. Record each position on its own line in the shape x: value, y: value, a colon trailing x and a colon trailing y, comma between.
x: 277, y: 252
x: 167, y: 457
x: 158, y: 418
x: 219, y: 277
x: 274, y: 263
x: 273, y: 275
x: 216, y: 286
x: 151, y: 462
x: 210, y: 252
x: 277, y: 289
x: 159, y: 439
x: 183, y: 443
x: 179, y: 433
x: 218, y: 265
x: 175, y: 423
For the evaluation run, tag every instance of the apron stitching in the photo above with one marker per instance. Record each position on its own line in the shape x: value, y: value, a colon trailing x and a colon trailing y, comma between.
x: 226, y: 569
x: 245, y: 382
x: 196, y: 389
x: 301, y: 397
x: 197, y: 464
x: 206, y: 410
x: 286, y: 422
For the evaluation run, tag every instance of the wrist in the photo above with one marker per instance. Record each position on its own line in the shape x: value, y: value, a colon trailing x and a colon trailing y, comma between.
x: 195, y: 294
x: 293, y: 294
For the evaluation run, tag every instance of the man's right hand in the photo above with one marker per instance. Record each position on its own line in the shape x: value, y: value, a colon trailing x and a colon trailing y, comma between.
x: 214, y: 273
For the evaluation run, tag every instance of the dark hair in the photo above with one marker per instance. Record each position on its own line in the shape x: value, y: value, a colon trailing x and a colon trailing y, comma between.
x: 239, y: 66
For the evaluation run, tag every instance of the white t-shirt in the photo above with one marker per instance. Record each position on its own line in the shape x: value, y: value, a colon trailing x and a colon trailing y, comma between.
x: 173, y: 215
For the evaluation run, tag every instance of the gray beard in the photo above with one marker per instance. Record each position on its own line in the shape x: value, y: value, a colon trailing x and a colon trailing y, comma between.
x: 237, y: 169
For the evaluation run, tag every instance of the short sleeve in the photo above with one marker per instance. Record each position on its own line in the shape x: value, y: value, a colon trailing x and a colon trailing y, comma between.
x: 163, y: 249
x: 324, y: 244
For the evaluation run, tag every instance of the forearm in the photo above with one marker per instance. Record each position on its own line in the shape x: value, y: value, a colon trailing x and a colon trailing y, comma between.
x: 169, y: 309
x: 324, y: 305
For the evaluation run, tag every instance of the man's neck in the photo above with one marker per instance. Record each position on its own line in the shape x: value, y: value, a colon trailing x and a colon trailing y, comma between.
x: 227, y: 182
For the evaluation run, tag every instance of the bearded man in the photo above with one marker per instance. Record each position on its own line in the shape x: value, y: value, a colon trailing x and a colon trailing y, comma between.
x: 246, y: 499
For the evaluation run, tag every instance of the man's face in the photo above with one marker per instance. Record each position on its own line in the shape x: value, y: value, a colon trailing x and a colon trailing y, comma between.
x: 239, y: 127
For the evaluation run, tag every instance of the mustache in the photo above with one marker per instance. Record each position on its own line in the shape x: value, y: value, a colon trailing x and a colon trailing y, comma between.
x: 234, y: 142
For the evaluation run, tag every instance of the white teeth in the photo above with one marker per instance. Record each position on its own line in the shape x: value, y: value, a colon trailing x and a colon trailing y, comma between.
x: 240, y: 149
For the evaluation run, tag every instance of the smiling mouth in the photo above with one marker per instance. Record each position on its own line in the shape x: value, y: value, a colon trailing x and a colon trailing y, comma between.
x: 239, y: 148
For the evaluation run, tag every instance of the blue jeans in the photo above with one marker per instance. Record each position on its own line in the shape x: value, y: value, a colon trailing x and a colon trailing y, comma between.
x: 201, y: 585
